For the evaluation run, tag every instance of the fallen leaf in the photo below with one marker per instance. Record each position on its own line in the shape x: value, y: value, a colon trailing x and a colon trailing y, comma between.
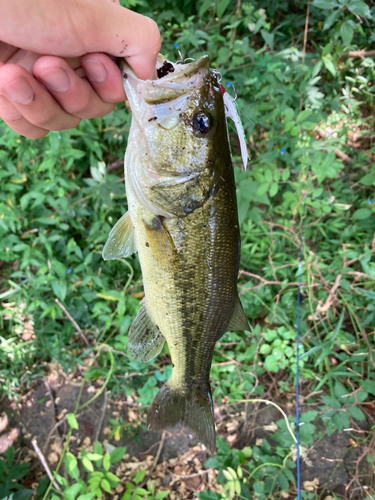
x: 62, y: 414
x: 6, y: 440
x: 272, y: 427
x: 311, y: 485
x: 53, y: 458
x: 3, y: 422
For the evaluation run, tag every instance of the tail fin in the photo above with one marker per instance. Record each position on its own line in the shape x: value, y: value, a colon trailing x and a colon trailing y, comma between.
x: 191, y: 406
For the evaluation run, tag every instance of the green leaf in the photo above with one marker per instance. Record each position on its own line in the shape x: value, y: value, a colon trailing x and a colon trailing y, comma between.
x: 106, y: 461
x: 357, y: 413
x: 112, y: 477
x: 105, y: 485
x: 283, y: 482
x: 24, y: 494
x: 285, y: 175
x: 162, y: 494
x: 139, y: 476
x: 140, y: 491
x: 271, y: 363
x: 222, y: 7
x: 362, y: 213
x: 331, y: 19
x: 87, y: 464
x: 86, y: 496
x: 59, y: 288
x: 71, y: 465
x: 346, y: 32
x: 273, y: 189
x: 112, y: 295
x: 326, y: 4
x: 341, y: 420
x: 329, y: 65
x: 98, y: 448
x: 71, y: 492
x: 268, y: 38
x: 204, y: 7
x: 117, y: 454
x: 368, y: 386
x: 72, y: 421
x: 94, y: 456
x: 340, y: 390
x: 360, y: 8
x: 309, y: 416
x: 368, y: 179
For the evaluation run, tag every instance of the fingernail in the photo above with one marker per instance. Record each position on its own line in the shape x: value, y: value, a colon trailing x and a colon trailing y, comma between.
x: 19, y: 91
x: 95, y: 70
x: 56, y: 79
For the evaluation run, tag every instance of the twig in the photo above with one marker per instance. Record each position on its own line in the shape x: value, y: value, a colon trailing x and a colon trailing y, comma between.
x: 306, y: 30
x: 304, y: 49
x: 115, y: 165
x: 44, y: 463
x: 51, y: 432
x: 50, y: 396
x: 343, y: 156
x: 359, y: 53
x: 30, y: 231
x: 331, y: 296
x: 72, y: 320
x: 188, y: 476
x: 157, y: 456
x: 101, y: 416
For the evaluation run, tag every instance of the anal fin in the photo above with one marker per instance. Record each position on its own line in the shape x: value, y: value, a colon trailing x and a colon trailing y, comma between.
x: 238, y: 320
x: 120, y: 243
x: 145, y: 340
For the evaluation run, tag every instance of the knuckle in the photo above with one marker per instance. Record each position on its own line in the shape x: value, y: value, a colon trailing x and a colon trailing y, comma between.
x: 103, y: 110
x: 35, y: 133
x: 72, y: 122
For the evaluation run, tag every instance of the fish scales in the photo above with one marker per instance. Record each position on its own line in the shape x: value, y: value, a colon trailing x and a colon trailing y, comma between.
x: 183, y: 218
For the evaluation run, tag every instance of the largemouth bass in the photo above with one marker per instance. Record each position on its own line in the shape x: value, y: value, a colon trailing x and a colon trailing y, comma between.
x: 182, y: 220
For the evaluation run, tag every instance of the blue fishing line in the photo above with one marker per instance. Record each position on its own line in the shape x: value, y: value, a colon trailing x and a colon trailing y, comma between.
x: 297, y: 356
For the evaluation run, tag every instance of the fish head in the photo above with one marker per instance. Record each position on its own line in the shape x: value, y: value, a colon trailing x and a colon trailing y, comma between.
x: 178, y: 130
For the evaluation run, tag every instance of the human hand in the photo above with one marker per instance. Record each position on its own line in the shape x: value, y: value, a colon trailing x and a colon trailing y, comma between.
x: 39, y: 92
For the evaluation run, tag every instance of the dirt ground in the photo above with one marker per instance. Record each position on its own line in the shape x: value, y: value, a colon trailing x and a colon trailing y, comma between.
x: 329, y: 468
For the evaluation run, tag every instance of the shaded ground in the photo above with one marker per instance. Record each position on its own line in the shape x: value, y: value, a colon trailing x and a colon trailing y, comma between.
x: 332, y: 462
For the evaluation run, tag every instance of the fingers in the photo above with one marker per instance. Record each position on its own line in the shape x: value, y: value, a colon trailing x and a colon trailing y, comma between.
x: 14, y: 119
x: 122, y: 33
x: 32, y: 101
x: 104, y: 76
x: 74, y: 94
x: 58, y: 97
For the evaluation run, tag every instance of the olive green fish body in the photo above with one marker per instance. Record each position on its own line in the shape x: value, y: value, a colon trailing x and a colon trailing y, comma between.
x: 182, y: 207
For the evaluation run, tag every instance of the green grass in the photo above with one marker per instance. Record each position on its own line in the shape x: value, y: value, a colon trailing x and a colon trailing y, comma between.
x: 308, y: 176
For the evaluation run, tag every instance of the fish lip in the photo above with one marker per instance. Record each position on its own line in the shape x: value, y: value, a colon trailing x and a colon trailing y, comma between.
x: 169, y: 87
x: 190, y: 69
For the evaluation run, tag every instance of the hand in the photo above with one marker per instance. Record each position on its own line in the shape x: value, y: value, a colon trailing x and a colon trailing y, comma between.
x: 39, y: 92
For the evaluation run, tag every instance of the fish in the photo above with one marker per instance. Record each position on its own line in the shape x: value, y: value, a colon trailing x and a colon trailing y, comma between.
x: 182, y: 220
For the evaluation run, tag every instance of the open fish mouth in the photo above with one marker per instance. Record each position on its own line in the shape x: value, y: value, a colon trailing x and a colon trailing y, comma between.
x: 174, y: 79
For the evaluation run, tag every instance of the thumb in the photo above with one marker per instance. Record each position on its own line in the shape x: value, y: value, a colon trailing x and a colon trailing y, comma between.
x: 121, y: 32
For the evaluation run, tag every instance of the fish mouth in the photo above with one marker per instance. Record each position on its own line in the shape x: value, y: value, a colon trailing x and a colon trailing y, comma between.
x: 174, y: 79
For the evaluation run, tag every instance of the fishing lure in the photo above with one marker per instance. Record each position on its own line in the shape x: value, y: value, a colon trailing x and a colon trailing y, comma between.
x: 231, y: 110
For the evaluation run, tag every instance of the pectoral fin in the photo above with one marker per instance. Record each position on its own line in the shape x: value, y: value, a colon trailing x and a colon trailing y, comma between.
x: 120, y: 243
x: 238, y: 321
x: 145, y: 340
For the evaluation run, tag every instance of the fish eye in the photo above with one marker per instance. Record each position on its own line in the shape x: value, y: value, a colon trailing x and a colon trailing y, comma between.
x: 202, y: 122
